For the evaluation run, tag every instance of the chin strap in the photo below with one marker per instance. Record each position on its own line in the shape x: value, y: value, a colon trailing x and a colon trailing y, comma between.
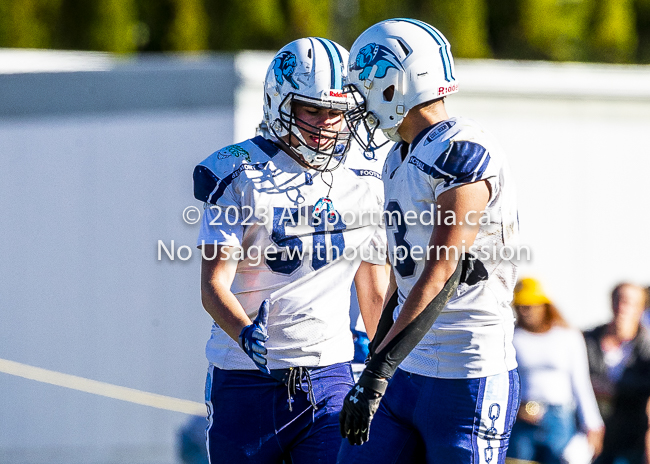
x: 298, y: 157
x: 392, y: 134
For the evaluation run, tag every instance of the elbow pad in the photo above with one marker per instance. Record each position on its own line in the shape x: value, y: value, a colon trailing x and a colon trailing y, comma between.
x: 384, y: 363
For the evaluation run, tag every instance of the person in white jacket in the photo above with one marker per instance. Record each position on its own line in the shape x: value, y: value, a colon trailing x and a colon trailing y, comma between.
x: 555, y: 385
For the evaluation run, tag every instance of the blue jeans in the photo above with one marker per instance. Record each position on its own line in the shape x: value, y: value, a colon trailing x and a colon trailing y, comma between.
x: 249, y: 420
x: 545, y: 441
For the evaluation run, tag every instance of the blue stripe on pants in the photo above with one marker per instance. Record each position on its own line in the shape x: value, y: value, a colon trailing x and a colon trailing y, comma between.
x: 438, y: 421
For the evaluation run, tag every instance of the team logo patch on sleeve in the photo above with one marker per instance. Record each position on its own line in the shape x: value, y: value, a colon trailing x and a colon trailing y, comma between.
x: 375, y: 55
x: 233, y: 150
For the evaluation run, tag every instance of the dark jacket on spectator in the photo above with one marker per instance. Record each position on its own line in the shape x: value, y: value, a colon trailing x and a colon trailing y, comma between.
x: 627, y: 421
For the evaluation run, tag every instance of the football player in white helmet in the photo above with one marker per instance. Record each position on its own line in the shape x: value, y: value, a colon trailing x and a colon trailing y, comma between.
x: 297, y: 92
x: 286, y: 230
x: 452, y: 214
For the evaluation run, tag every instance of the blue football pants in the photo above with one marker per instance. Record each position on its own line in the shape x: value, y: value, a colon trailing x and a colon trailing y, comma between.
x: 440, y: 421
x: 249, y: 419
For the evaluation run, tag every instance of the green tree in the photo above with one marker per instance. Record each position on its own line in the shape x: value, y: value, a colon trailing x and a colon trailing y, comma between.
x: 253, y: 24
x: 155, y: 20
x: 308, y: 18
x: 557, y: 29
x: 642, y: 13
x: 189, y: 28
x: 373, y: 11
x: 107, y: 25
x: 74, y: 25
x: 598, y: 30
x: 463, y: 22
x: 113, y: 26
x: 28, y: 23
x: 614, y: 36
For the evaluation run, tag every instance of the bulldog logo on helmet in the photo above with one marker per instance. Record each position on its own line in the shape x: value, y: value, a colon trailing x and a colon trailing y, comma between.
x: 375, y: 55
x: 283, y: 66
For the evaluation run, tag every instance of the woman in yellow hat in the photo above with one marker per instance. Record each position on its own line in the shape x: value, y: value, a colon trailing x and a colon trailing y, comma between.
x: 555, y: 385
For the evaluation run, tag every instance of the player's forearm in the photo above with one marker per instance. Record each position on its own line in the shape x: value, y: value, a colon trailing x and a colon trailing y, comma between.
x: 392, y: 285
x: 371, y: 282
x: 225, y: 310
x: 431, y: 282
x: 217, y: 276
x: 385, y: 321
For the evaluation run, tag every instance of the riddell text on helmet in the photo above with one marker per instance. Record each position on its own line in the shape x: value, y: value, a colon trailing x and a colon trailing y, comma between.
x: 451, y: 88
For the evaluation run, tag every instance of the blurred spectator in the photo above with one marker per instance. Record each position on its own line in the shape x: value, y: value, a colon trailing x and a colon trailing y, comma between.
x: 558, y: 421
x: 191, y: 441
x: 619, y: 361
x: 645, y: 319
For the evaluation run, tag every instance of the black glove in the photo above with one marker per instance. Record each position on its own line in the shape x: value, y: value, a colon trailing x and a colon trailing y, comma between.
x: 359, y: 406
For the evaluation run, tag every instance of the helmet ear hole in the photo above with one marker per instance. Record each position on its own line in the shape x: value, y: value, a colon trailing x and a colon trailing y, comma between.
x: 389, y: 93
x: 405, y: 49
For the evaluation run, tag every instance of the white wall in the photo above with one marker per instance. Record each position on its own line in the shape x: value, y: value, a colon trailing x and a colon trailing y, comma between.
x: 84, y: 198
x: 84, y: 202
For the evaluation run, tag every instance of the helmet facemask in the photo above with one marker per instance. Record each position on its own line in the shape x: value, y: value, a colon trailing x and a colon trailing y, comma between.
x: 332, y: 145
x: 362, y: 124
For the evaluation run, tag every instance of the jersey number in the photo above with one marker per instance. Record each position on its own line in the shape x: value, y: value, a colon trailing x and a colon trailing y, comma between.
x: 289, y: 260
x: 403, y: 261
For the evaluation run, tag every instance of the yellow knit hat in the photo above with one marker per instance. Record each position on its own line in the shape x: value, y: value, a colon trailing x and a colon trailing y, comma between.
x: 528, y: 292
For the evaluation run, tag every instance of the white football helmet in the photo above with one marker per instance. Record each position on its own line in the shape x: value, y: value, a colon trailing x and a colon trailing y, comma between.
x: 311, y: 71
x: 394, y: 66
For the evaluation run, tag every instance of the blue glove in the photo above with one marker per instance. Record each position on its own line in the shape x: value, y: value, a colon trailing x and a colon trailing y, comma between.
x: 252, y: 338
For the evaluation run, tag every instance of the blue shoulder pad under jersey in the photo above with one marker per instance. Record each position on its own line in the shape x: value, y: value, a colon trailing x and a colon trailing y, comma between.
x: 214, y: 174
x: 463, y: 162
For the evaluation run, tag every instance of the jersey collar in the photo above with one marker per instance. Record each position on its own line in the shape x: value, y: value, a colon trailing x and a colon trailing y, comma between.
x: 418, y: 138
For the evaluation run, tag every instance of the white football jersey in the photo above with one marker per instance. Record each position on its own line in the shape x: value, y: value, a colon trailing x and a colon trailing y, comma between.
x: 368, y: 166
x: 261, y: 200
x: 472, y: 337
